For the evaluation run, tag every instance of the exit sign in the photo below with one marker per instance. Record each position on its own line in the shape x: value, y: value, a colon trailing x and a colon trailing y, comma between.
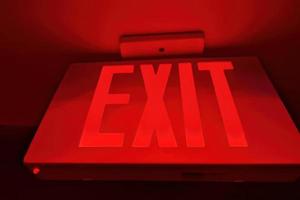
x: 168, y: 112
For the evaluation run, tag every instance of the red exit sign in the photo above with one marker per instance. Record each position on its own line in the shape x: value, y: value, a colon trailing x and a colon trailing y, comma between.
x: 155, y: 120
x: 164, y: 112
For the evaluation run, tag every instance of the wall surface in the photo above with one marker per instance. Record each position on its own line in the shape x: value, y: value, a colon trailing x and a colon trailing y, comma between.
x: 39, y: 39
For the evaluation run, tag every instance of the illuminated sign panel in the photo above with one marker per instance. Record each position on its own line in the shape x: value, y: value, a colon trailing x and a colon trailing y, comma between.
x: 152, y: 123
x: 171, y: 111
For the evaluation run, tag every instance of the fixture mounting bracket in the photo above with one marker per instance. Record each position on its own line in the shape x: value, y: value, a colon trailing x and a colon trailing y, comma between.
x: 162, y: 45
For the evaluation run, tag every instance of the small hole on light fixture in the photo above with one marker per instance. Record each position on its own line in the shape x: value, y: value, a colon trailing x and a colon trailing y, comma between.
x: 161, y: 49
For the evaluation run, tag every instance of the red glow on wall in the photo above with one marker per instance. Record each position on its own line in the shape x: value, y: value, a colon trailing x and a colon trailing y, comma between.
x: 40, y: 39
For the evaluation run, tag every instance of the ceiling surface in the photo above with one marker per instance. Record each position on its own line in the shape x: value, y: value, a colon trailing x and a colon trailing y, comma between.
x: 39, y: 39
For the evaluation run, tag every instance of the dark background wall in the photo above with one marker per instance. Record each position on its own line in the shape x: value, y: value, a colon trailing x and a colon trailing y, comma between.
x: 38, y: 39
